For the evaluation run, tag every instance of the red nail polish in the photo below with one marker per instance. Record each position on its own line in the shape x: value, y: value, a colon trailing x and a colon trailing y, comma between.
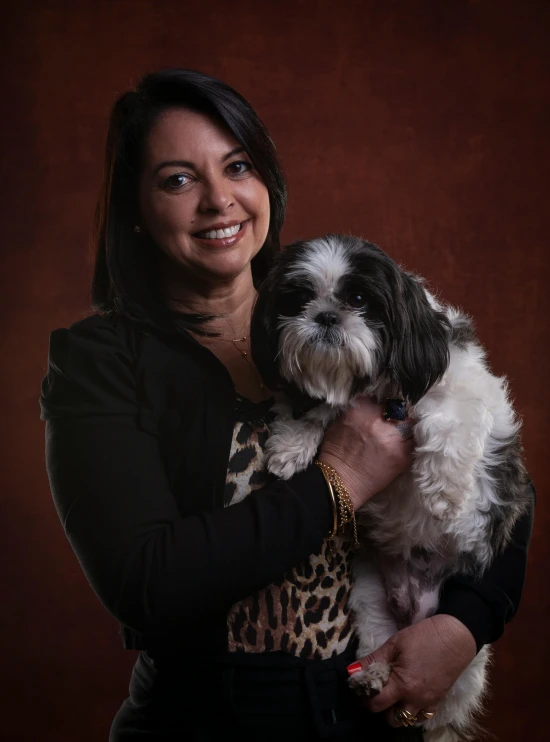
x: 354, y: 667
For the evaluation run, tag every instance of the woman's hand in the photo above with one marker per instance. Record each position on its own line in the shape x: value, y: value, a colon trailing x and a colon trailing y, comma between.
x: 367, y: 451
x: 426, y: 659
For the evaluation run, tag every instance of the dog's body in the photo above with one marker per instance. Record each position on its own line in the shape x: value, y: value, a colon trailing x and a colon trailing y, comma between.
x: 365, y: 326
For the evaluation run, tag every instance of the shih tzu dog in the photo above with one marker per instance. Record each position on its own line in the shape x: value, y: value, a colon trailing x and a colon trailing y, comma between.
x: 335, y: 318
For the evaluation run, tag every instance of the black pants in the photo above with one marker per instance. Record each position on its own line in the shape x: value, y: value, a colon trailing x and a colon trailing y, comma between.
x: 249, y: 698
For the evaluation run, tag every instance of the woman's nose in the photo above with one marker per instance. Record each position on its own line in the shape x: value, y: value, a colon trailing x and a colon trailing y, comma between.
x: 217, y: 195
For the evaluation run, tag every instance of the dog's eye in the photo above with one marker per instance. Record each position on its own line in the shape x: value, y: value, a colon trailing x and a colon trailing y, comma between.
x: 293, y: 302
x: 302, y: 297
x: 356, y: 300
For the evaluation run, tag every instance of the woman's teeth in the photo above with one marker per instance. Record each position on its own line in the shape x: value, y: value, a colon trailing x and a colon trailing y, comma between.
x: 218, y: 234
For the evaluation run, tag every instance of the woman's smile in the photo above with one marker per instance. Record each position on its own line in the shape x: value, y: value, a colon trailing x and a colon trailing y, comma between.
x: 222, y: 234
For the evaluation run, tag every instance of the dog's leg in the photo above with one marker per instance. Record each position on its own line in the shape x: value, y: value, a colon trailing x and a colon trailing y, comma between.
x: 292, y: 444
x: 412, y: 585
x: 373, y: 621
x: 387, y: 596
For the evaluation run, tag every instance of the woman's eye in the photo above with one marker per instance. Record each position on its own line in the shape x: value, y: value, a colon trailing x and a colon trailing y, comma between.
x: 356, y: 300
x: 176, y: 181
x: 239, y: 167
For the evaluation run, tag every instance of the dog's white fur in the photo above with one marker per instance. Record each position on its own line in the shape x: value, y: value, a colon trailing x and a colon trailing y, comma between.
x: 445, y: 505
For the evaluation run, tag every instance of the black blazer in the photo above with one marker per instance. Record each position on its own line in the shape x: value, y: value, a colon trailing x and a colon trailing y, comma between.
x: 138, y: 435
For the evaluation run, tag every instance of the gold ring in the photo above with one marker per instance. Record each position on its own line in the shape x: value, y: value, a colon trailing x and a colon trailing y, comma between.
x: 410, y: 717
x: 401, y: 718
x: 427, y: 714
x: 404, y: 717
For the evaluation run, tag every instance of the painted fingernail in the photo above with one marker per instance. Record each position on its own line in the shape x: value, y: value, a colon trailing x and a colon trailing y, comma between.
x: 354, y: 667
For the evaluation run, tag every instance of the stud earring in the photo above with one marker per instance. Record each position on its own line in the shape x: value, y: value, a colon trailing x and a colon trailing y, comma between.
x: 137, y: 229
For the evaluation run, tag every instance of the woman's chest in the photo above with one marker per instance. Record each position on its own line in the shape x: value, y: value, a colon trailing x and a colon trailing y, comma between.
x: 186, y: 400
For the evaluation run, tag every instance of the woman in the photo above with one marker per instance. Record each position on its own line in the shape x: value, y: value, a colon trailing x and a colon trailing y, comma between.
x: 156, y: 420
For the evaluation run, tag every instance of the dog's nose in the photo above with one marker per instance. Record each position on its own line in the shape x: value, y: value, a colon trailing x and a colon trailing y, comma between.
x: 327, y: 319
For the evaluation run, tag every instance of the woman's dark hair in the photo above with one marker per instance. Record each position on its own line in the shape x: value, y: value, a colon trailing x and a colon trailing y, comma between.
x: 126, y: 276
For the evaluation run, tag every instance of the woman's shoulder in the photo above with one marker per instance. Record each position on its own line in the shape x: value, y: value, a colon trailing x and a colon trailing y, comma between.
x: 90, y: 366
x: 88, y: 344
x: 97, y: 332
x: 107, y: 364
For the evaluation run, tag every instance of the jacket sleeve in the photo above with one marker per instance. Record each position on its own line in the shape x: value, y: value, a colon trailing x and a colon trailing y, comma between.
x: 154, y: 570
x: 485, y: 604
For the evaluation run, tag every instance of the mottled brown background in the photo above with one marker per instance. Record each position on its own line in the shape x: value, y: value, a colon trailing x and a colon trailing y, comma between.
x: 421, y: 125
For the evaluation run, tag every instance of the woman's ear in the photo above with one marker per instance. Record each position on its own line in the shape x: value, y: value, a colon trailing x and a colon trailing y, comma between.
x: 420, y: 345
x: 264, y: 337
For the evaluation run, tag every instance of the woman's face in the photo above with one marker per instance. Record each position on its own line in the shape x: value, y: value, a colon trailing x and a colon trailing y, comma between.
x: 201, y: 199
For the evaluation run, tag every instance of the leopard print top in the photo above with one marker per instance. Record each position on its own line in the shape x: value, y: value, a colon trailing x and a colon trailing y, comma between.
x: 306, y: 613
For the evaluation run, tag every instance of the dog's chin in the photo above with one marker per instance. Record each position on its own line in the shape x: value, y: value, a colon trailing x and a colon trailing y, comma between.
x: 334, y: 389
x: 323, y: 369
x: 327, y: 363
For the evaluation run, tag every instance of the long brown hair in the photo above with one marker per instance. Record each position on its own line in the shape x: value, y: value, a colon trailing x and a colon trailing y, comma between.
x: 126, y: 276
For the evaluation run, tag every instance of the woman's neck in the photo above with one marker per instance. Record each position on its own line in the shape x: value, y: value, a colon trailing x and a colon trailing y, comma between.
x: 230, y: 302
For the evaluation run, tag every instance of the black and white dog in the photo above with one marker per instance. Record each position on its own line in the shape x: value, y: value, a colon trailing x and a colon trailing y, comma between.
x: 335, y: 318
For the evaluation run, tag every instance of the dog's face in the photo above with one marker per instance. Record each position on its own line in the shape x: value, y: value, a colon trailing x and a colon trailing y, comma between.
x: 331, y: 319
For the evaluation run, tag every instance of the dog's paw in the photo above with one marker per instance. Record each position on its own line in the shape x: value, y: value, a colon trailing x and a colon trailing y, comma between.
x: 283, y: 467
x: 370, y: 682
x: 286, y: 455
x: 285, y: 463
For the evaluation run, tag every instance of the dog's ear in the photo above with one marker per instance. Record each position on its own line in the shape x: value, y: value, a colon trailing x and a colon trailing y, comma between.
x: 420, y: 345
x: 264, y: 337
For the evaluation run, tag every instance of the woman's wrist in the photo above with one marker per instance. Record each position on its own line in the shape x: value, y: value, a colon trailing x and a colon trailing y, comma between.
x: 357, y: 490
x: 343, y: 505
x: 333, y: 500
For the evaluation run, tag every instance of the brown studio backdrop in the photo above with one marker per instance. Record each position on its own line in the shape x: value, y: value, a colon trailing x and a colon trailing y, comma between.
x: 420, y: 125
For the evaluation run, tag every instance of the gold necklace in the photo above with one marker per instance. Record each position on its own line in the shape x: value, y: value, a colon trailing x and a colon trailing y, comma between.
x: 244, y: 355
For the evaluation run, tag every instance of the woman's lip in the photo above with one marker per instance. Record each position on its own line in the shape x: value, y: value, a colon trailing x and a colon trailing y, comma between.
x: 224, y: 241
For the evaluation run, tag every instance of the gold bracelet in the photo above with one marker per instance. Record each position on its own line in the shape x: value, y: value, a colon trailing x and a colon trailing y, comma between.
x: 346, y: 510
x: 334, y: 528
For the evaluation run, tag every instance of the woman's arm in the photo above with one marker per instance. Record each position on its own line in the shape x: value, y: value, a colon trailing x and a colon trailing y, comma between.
x: 151, y: 568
